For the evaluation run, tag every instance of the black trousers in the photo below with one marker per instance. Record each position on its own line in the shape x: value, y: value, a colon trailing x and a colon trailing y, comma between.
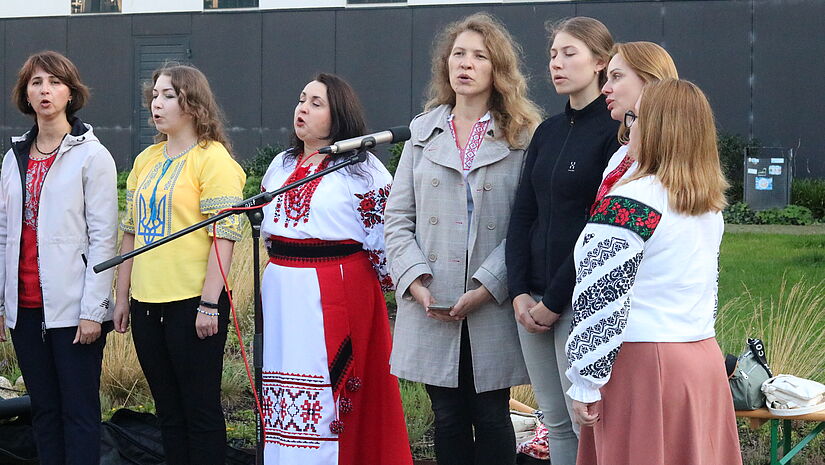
x: 63, y: 381
x: 471, y: 428
x: 184, y: 375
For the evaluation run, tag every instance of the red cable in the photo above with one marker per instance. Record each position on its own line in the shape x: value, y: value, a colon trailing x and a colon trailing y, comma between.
x: 232, y: 306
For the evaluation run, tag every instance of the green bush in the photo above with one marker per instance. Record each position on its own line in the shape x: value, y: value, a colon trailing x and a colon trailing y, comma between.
x: 792, y: 214
x: 739, y: 213
x: 732, y: 157
x: 258, y: 163
x: 810, y: 193
x: 395, y: 155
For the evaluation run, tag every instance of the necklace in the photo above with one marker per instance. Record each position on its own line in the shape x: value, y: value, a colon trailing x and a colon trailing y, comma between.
x: 296, y: 202
x: 50, y: 152
x: 166, y: 151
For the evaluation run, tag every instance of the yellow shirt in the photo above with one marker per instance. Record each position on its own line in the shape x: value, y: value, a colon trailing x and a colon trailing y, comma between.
x: 166, y: 195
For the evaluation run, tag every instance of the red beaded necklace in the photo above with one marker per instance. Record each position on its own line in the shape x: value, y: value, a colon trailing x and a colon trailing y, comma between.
x: 296, y: 202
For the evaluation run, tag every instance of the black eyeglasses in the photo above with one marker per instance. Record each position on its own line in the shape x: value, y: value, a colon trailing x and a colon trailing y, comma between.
x: 629, y: 119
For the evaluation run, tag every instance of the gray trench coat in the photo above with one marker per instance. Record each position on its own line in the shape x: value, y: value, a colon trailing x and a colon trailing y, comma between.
x: 426, y: 234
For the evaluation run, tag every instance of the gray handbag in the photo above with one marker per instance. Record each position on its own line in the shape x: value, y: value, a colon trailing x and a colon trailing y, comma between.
x: 750, y: 371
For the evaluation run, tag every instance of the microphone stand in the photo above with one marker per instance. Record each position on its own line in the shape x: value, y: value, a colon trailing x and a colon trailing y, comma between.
x: 252, y: 208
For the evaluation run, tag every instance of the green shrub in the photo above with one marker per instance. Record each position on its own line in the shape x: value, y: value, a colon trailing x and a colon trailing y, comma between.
x: 732, y: 157
x: 792, y: 214
x: 258, y: 163
x: 739, y: 213
x: 810, y: 193
x: 395, y: 155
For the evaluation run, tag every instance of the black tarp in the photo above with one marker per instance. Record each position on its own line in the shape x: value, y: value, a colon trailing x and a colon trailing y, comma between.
x: 128, y: 438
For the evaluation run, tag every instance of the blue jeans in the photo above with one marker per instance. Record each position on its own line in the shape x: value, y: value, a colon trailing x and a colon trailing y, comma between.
x: 63, y: 380
x: 471, y: 428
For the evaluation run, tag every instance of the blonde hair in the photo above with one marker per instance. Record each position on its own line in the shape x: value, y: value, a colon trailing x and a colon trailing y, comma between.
x: 592, y: 32
x: 677, y: 144
x: 649, y: 61
x: 196, y: 99
x: 515, y: 114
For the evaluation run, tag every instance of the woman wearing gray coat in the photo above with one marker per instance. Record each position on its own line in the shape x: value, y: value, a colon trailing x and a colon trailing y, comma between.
x: 445, y: 224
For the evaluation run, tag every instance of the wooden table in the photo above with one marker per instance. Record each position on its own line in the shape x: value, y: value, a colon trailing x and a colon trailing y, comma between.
x: 761, y: 416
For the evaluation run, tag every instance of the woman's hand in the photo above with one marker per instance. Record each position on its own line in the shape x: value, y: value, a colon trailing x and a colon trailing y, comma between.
x: 543, y: 316
x: 121, y: 315
x: 585, y: 414
x: 470, y: 301
x: 2, y: 329
x: 421, y: 294
x: 87, y: 332
x: 521, y: 306
x: 206, y: 325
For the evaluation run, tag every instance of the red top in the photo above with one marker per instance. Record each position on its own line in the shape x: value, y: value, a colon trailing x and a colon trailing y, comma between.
x: 29, y: 293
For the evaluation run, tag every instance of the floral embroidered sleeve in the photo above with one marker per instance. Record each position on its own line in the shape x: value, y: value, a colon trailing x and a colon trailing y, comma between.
x: 370, y: 205
x: 607, y: 256
x: 127, y: 221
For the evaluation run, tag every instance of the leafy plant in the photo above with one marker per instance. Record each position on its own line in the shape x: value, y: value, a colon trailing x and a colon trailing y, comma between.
x: 810, y: 193
x: 792, y: 214
x: 739, y: 213
x: 258, y: 163
x: 419, y: 415
x: 395, y: 155
x: 732, y: 156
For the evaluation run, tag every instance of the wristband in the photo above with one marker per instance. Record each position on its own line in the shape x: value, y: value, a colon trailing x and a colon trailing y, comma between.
x: 208, y: 313
x: 211, y: 305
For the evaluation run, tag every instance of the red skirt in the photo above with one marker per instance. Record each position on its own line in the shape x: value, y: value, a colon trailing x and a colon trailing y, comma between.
x: 666, y: 403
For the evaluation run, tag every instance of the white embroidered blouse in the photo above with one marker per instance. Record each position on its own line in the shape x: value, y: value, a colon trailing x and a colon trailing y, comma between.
x: 644, y: 273
x: 344, y: 206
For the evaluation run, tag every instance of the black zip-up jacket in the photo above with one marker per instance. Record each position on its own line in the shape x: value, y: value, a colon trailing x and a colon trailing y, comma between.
x: 562, y: 172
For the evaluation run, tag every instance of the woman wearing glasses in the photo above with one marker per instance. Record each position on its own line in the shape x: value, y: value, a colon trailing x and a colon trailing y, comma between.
x: 562, y: 171
x: 648, y: 378
x: 633, y: 65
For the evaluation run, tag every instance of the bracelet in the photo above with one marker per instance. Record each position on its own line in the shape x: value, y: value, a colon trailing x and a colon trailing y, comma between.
x: 211, y: 305
x: 208, y: 313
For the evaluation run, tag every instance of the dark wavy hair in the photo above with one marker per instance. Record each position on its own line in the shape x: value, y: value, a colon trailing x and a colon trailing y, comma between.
x: 346, y: 116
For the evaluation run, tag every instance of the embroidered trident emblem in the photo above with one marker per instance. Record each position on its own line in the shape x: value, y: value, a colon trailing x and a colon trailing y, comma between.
x: 151, y: 223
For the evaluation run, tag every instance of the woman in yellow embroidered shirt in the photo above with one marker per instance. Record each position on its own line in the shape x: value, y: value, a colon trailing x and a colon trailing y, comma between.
x: 179, y: 307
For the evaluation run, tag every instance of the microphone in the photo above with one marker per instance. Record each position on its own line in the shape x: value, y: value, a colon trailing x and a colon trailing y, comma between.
x: 390, y: 136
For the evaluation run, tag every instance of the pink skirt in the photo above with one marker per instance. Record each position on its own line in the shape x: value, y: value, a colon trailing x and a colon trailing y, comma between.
x: 666, y: 403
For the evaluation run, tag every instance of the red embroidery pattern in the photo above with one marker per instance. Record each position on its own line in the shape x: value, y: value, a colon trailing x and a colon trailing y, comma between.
x: 292, y: 409
x: 35, y: 174
x: 468, y: 153
x: 378, y: 259
x: 296, y: 202
x: 627, y: 213
x: 372, y: 204
x: 611, y: 179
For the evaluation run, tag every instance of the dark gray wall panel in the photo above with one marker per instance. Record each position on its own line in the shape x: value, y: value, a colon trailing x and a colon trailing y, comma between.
x: 107, y: 70
x: 788, y: 67
x: 159, y: 24
x: 5, y: 85
x: 372, y: 52
x: 24, y: 37
x: 233, y: 68
x: 291, y: 57
x: 527, y: 25
x: 427, y: 23
x: 628, y: 21
x: 711, y: 47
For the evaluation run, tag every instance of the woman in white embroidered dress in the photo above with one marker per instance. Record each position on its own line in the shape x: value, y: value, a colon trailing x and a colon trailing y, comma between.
x: 328, y: 396
x: 648, y: 378
x: 446, y: 223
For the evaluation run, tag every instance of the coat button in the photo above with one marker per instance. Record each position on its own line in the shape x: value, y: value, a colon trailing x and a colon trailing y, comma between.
x: 432, y: 257
x: 491, y: 225
x: 433, y: 220
x: 487, y: 186
x: 434, y: 182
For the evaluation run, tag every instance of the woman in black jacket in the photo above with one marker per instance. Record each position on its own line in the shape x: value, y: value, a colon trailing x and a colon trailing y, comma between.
x: 562, y: 172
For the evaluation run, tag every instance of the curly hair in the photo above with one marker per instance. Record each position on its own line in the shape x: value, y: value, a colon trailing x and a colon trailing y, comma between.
x: 514, y: 112
x: 195, y: 98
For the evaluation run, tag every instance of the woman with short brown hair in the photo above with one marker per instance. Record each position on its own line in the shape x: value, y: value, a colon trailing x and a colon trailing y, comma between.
x: 58, y: 214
